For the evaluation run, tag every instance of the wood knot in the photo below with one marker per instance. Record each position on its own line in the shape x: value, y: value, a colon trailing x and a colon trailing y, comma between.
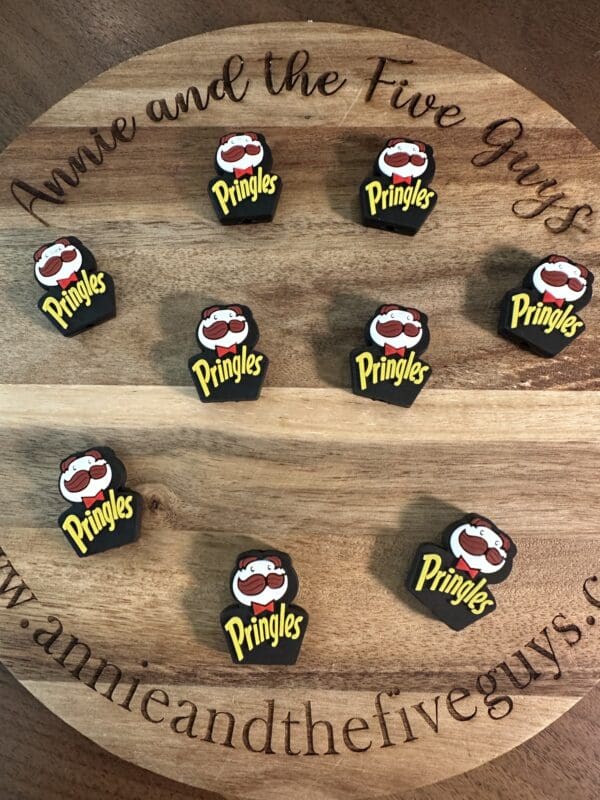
x: 160, y: 503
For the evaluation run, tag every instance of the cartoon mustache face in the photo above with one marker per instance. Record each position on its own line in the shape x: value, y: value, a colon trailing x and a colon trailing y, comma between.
x: 84, y: 476
x: 483, y: 549
x: 561, y: 278
x: 239, y: 151
x: 556, y: 278
x: 476, y: 546
x: 57, y: 262
x: 255, y: 584
x: 222, y: 326
x: 260, y: 580
x: 54, y: 263
x: 393, y: 328
x: 397, y: 327
x: 403, y: 158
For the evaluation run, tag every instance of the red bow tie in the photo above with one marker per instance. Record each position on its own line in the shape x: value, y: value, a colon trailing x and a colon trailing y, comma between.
x: 240, y: 172
x: 73, y: 277
x: 400, y: 179
x: 88, y: 502
x: 221, y: 351
x: 258, y: 609
x: 549, y: 298
x: 462, y: 565
x: 388, y: 350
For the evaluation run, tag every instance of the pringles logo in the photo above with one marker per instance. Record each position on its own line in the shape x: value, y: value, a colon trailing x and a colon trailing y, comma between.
x: 264, y: 627
x: 228, y: 367
x: 77, y: 296
x: 398, y: 197
x: 453, y: 581
x: 541, y: 314
x: 103, y: 514
x: 390, y: 369
x: 246, y: 190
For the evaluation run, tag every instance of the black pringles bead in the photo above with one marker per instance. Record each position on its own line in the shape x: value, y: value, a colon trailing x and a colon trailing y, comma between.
x: 263, y: 626
x: 452, y: 581
x: 541, y: 314
x: 103, y: 513
x: 245, y: 190
x: 78, y: 296
x: 228, y: 368
x: 389, y: 368
x: 397, y: 196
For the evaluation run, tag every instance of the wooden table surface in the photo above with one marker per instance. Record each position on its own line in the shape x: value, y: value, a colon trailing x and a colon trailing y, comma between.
x: 552, y: 53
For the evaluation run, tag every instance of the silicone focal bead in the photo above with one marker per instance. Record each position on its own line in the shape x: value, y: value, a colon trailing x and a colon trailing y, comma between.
x: 245, y: 190
x: 452, y: 581
x: 390, y: 368
x: 263, y: 626
x: 541, y: 314
x: 77, y: 296
x: 228, y: 368
x: 397, y: 196
x: 103, y: 513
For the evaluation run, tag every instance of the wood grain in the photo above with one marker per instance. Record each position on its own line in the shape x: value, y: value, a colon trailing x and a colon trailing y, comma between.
x: 300, y: 467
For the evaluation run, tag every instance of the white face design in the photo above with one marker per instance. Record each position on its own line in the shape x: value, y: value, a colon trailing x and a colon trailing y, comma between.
x: 397, y: 327
x: 477, y: 544
x: 404, y: 159
x: 240, y: 152
x: 561, y: 279
x: 57, y: 262
x: 261, y: 581
x: 85, y: 477
x: 223, y: 328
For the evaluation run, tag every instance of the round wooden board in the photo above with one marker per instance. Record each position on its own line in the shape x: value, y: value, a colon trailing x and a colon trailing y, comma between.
x: 348, y: 487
